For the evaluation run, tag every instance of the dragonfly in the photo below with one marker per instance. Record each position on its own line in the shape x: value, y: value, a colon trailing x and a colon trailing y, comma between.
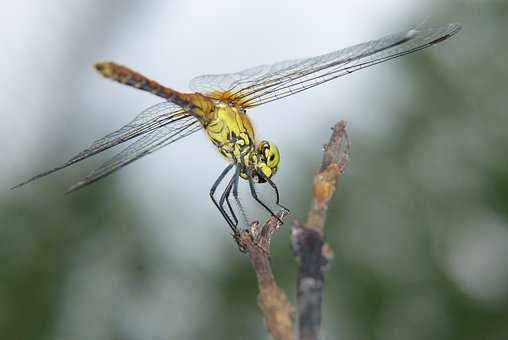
x: 218, y: 106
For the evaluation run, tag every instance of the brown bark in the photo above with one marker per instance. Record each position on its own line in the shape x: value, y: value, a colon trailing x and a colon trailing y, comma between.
x: 312, y: 254
x: 277, y: 310
x: 309, y: 248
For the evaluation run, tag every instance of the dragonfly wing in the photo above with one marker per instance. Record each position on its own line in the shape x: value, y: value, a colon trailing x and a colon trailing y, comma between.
x: 150, y: 119
x: 266, y: 83
x: 217, y: 83
x: 147, y: 144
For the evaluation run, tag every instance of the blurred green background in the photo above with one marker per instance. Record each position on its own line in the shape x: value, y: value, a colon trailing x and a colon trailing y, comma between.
x: 419, y: 223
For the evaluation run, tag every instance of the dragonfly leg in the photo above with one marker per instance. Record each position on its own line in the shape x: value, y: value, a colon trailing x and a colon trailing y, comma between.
x: 225, y: 198
x: 233, y: 185
x: 272, y: 184
x: 255, y: 195
x: 230, y: 207
x: 237, y: 199
x: 212, y: 196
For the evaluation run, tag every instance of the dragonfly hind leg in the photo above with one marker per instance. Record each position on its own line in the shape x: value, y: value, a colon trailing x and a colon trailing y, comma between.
x: 219, y: 179
x: 237, y: 199
x: 231, y: 219
x: 225, y: 198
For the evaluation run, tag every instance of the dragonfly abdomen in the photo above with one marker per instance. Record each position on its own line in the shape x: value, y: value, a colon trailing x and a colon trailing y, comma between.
x: 132, y: 78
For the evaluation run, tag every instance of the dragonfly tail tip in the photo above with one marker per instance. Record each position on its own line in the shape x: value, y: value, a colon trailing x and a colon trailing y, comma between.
x: 104, y: 68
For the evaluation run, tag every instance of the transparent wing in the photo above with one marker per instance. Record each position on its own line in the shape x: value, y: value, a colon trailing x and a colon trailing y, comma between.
x: 265, y: 83
x: 147, y: 144
x: 150, y: 119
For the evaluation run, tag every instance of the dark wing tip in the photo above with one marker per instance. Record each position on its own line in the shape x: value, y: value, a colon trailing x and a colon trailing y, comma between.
x: 452, y: 30
x: 43, y: 174
x: 76, y: 186
x: 18, y: 185
x: 23, y: 183
x: 443, y: 32
x: 454, y: 27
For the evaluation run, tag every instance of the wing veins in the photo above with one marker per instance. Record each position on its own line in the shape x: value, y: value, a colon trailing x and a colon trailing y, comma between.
x: 155, y: 123
x: 290, y: 77
x: 347, y: 70
x: 264, y: 83
x: 123, y: 134
x: 154, y: 141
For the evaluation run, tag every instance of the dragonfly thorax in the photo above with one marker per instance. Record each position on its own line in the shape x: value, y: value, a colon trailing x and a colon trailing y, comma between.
x: 230, y: 130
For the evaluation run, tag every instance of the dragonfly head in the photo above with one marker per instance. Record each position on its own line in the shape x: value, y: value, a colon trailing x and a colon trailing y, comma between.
x: 264, y: 161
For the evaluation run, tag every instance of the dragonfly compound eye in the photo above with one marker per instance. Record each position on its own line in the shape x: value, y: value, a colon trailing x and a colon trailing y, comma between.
x: 270, y: 153
x: 267, y: 158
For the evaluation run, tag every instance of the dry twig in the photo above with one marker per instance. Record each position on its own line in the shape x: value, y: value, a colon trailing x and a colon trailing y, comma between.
x: 273, y: 301
x: 308, y: 244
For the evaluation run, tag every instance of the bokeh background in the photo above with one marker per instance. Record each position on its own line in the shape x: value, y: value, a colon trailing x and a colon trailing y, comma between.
x: 419, y: 222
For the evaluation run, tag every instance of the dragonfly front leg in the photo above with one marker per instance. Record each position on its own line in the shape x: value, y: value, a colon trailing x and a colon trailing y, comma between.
x: 255, y: 195
x: 272, y: 184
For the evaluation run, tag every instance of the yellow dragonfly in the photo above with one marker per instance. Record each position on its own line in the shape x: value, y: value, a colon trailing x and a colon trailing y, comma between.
x: 219, y: 106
